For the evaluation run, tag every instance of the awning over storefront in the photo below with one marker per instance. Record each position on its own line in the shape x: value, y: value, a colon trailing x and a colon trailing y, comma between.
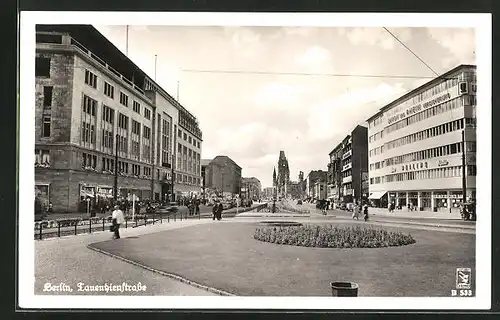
x: 376, y: 195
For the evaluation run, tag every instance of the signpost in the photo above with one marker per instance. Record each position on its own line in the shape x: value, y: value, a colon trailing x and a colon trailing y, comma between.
x: 133, y: 206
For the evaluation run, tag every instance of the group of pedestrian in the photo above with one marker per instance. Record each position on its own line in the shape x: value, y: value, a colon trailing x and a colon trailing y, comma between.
x: 217, y: 211
x: 194, y: 206
x: 359, y: 209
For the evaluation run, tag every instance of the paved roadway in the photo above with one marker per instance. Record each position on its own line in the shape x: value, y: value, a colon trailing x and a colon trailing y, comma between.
x: 68, y: 260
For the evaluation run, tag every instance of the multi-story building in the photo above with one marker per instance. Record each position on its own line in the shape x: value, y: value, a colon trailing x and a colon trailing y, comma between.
x: 268, y: 192
x: 204, y: 166
x: 334, y: 181
x: 95, y: 111
x: 417, y: 143
x: 250, y: 188
x: 354, y: 163
x: 314, y: 191
x: 224, y: 176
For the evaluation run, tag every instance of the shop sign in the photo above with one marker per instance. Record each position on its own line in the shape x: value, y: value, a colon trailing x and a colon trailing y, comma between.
x: 442, y: 163
x: 415, y: 166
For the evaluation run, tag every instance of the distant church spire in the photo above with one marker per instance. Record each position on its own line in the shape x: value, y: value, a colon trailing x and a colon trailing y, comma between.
x: 274, y: 177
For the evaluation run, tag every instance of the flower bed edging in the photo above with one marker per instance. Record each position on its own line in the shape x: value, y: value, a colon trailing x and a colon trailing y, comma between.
x: 333, y: 237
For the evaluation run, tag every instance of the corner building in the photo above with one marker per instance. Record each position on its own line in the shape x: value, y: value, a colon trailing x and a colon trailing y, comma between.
x: 415, y: 145
x: 91, y: 100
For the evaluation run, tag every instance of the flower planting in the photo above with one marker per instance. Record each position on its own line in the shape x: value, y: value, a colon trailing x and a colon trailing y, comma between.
x: 329, y: 236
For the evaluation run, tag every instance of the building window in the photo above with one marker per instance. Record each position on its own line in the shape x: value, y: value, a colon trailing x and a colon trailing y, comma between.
x: 179, y: 133
x: 89, y: 105
x: 90, y: 79
x: 198, y: 144
x: 42, y: 67
x: 47, y: 97
x: 107, y: 138
x: 108, y: 114
x: 124, y: 99
x: 89, y: 160
x: 137, y: 107
x: 46, y: 126
x: 147, y: 132
x: 185, y: 136
x: 471, y: 170
x: 136, y: 127
x: 189, y: 140
x: 109, y: 90
x: 147, y: 113
x: 123, y: 121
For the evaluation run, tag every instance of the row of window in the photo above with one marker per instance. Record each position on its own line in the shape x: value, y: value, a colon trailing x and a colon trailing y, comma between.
x: 188, y: 160
x: 108, y: 164
x: 109, y: 90
x: 377, y: 136
x: 187, y: 138
x: 453, y: 148
x: 429, y: 133
x: 182, y: 178
x: 438, y: 173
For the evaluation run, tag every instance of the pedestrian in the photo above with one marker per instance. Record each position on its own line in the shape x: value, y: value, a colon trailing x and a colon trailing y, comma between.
x: 214, y: 210
x: 365, y: 212
x: 197, y: 206
x: 118, y: 219
x: 220, y: 207
x: 355, y: 211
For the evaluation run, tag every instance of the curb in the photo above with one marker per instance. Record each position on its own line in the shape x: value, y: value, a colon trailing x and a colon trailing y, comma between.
x: 163, y: 273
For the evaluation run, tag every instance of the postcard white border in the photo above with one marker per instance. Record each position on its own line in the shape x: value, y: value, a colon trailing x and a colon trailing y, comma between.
x: 482, y: 24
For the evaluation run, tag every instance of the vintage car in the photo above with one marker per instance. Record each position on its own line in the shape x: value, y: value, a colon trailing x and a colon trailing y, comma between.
x: 468, y: 211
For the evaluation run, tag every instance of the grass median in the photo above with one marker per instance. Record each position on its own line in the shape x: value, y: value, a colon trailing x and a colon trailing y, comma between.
x: 224, y: 255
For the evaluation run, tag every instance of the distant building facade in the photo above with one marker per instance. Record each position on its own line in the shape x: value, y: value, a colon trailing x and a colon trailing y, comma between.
x: 268, y: 192
x: 224, y: 176
x: 251, y: 188
x: 316, y: 184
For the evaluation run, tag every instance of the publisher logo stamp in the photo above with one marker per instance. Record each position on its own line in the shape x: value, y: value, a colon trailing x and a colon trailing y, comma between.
x: 463, y: 278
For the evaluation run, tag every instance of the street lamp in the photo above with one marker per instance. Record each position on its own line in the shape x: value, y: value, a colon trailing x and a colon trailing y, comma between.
x: 115, y: 185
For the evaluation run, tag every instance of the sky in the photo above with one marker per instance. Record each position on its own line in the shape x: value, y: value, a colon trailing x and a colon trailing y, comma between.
x: 252, y: 114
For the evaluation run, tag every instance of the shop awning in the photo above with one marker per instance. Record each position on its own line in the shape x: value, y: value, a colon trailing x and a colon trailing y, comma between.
x: 376, y: 195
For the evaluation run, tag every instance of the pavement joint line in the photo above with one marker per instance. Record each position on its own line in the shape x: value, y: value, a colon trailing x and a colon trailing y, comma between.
x: 163, y: 273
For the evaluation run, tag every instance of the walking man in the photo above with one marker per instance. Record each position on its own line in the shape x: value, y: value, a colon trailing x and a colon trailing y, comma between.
x: 118, y: 219
x: 219, y: 211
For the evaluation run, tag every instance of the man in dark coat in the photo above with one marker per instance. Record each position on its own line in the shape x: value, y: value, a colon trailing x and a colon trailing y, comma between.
x: 219, y: 211
x: 215, y: 208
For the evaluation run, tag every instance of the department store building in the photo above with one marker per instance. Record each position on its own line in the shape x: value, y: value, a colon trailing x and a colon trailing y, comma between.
x: 416, y: 144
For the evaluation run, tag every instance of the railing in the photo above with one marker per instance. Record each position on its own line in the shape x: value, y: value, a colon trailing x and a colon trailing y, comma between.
x: 66, y: 227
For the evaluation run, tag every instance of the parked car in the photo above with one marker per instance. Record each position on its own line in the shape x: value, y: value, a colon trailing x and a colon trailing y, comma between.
x: 350, y: 206
x: 343, y: 206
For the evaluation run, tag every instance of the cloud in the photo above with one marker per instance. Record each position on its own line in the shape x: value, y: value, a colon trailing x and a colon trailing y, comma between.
x: 375, y: 36
x: 313, y: 55
x: 298, y: 31
x: 459, y: 42
x: 339, y: 115
x: 245, y: 41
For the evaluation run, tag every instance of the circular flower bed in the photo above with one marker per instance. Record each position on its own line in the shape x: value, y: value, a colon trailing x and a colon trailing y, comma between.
x: 333, y: 237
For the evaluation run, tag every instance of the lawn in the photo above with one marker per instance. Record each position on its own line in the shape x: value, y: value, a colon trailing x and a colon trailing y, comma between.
x: 224, y: 255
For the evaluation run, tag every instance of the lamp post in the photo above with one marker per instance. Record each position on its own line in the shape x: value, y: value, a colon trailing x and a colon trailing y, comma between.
x: 115, y: 185
x: 464, y: 179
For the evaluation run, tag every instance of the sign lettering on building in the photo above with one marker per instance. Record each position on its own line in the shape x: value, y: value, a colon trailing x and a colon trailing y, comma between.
x: 442, y: 163
x: 406, y: 109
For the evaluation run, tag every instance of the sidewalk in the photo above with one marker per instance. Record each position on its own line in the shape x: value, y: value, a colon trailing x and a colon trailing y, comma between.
x: 414, y: 214
x: 68, y: 260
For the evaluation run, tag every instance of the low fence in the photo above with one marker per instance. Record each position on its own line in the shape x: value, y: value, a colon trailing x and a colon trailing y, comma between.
x: 64, y: 227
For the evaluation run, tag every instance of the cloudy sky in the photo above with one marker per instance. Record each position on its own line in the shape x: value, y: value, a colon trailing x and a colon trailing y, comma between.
x: 252, y: 114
